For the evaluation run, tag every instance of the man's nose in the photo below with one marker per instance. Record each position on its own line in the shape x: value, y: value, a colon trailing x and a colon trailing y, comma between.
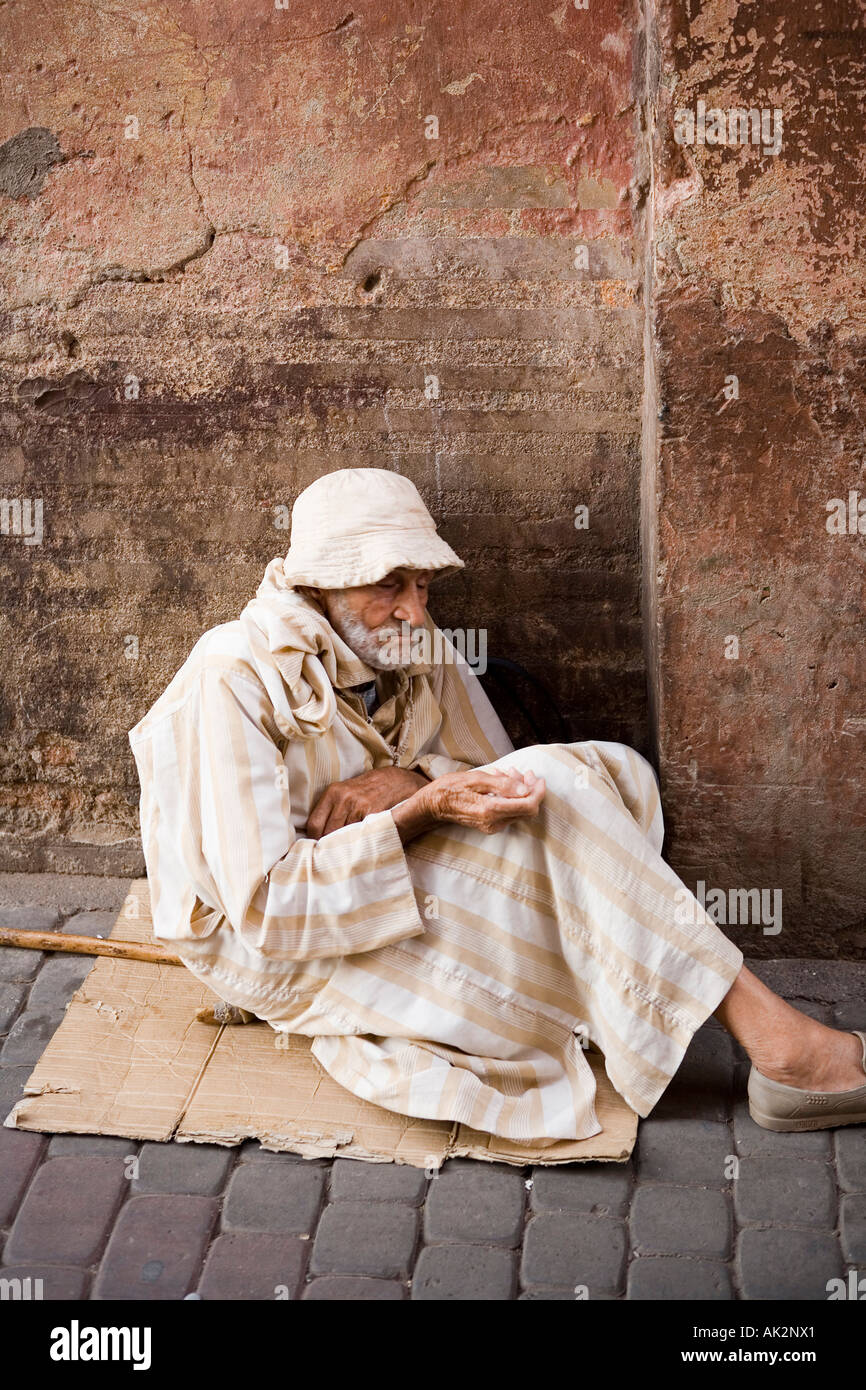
x: 411, y: 608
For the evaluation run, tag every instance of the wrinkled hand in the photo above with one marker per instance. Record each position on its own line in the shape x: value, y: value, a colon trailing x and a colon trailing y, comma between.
x: 344, y: 803
x: 486, y: 801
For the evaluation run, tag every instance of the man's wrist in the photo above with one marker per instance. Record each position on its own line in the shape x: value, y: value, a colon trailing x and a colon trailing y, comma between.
x: 413, y: 816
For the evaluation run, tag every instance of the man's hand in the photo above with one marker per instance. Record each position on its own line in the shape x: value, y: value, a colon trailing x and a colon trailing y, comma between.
x: 344, y: 803
x: 485, y: 801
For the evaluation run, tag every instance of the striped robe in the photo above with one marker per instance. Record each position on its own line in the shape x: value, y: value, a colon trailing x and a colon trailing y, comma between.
x: 460, y: 977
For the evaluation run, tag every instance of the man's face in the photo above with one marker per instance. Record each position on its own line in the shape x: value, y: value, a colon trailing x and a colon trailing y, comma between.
x: 369, y: 618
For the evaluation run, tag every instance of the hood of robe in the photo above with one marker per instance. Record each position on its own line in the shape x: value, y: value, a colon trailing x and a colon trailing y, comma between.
x: 302, y: 661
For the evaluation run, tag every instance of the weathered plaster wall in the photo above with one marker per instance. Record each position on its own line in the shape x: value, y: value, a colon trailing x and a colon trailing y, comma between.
x: 255, y: 289
x: 758, y: 273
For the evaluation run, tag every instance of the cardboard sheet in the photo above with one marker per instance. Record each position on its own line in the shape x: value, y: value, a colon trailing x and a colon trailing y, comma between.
x: 130, y: 1059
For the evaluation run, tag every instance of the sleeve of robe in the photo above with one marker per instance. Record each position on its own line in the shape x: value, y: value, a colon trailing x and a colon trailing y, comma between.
x: 471, y: 733
x: 217, y: 824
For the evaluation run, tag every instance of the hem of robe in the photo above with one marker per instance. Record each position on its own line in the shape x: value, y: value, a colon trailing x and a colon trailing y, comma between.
x: 646, y: 1096
x: 253, y: 997
x: 331, y: 1051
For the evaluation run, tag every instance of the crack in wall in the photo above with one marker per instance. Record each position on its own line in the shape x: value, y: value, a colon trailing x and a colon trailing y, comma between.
x: 398, y: 198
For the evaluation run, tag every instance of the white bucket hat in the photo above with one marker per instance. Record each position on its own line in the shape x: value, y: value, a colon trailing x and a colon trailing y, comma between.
x: 354, y: 526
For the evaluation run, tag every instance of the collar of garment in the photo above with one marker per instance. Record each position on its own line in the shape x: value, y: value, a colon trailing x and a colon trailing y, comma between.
x: 368, y: 694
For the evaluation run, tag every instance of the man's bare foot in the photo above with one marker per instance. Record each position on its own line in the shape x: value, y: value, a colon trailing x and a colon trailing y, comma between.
x: 818, y: 1058
x: 787, y: 1045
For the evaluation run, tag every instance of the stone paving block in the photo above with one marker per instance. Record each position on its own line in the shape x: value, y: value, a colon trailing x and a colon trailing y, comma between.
x: 12, y: 1083
x: 782, y: 1264
x: 156, y: 1247
x: 28, y: 1038
x: 334, y: 1289
x: 90, y: 923
x: 355, y: 1180
x: 24, y: 918
x: 57, y: 981
x: 58, y: 1282
x: 283, y: 1198
x: 565, y: 1249
x: 63, y: 892
x: 850, y: 1144
x: 850, y: 1015
x: 658, y: 1278
x: 195, y: 1168
x: 562, y: 1295
x: 547, y: 1296
x: 15, y: 962
x: 742, y: 1067
x: 703, y: 1087
x: 828, y: 981
x: 683, y: 1151
x: 751, y: 1139
x: 18, y: 964
x: 68, y: 1212
x: 464, y: 1272
x: 104, y: 1145
x: 711, y: 1053
x: 375, y: 1238
x: 254, y: 1265
x: 852, y: 1226
x: 20, y: 1152
x: 11, y: 999
x: 251, y: 1151
x: 483, y: 1203
x: 794, y: 1190
x: 602, y: 1188
x: 681, y: 1220
x: 687, y: 1099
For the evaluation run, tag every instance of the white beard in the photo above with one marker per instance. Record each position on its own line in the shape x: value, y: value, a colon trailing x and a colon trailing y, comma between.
x: 379, y: 647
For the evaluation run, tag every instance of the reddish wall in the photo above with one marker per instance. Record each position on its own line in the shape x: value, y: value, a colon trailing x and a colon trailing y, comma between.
x: 759, y: 272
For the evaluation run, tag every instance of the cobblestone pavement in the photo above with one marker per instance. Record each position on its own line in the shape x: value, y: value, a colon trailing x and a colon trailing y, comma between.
x: 710, y: 1205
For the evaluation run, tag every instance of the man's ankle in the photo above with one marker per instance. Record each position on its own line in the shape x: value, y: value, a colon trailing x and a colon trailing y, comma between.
x: 832, y: 1056
x: 794, y: 1056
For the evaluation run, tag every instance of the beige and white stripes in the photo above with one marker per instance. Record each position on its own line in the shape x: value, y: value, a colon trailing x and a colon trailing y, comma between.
x: 457, y: 978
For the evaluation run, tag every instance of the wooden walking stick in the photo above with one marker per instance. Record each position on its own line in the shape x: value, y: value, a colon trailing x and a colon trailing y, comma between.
x: 217, y: 1013
x: 86, y: 945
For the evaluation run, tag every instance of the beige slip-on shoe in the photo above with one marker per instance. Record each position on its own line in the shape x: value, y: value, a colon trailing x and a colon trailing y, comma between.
x: 772, y: 1105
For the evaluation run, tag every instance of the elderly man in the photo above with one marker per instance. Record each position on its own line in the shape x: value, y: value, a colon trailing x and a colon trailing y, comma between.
x: 342, y: 841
